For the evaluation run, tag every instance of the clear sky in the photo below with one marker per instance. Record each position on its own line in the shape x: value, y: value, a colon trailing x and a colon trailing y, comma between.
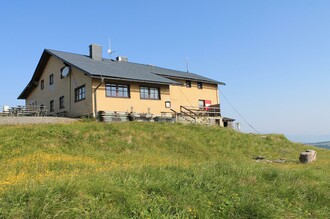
x: 273, y: 55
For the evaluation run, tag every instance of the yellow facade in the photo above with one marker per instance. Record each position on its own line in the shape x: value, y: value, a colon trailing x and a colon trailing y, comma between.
x: 62, y: 87
x: 189, y: 96
x: 132, y: 104
x: 96, y: 99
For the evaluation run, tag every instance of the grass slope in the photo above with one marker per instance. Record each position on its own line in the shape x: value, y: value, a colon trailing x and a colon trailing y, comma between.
x: 155, y: 170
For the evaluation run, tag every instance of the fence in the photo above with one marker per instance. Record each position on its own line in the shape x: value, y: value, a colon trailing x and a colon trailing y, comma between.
x: 24, y: 111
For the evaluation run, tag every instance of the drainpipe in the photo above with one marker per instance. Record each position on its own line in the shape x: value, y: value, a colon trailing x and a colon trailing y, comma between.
x: 95, y: 102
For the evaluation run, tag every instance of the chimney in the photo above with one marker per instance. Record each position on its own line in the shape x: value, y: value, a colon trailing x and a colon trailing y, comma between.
x: 122, y: 59
x: 95, y: 52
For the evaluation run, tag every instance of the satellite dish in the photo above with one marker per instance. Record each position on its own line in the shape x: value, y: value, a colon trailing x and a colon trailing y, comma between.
x: 65, y: 71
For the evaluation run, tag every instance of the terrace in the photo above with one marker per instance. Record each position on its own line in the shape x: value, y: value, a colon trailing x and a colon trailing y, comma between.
x: 15, y: 111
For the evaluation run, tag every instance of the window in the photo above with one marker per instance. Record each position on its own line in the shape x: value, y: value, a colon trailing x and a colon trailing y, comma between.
x: 117, y: 90
x: 62, y: 102
x: 199, y: 85
x: 201, y: 104
x: 42, y: 84
x: 188, y: 83
x: 51, y: 106
x: 149, y: 93
x: 51, y: 79
x: 80, y: 93
x: 167, y: 104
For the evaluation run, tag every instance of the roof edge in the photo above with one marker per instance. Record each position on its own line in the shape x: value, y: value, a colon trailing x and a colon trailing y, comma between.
x: 41, y: 64
x: 187, y: 78
x: 134, y: 80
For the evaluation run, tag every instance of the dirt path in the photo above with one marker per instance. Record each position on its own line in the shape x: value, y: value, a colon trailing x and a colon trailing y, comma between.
x: 34, y: 120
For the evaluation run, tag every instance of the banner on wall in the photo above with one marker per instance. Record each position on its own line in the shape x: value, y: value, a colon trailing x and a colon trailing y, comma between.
x: 207, y: 104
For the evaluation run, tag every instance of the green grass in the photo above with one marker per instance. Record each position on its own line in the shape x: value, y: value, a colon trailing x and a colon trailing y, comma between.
x: 156, y: 170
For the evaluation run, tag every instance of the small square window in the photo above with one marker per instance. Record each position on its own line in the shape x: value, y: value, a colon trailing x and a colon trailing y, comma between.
x: 51, y: 79
x: 188, y: 83
x: 167, y: 104
x: 199, y: 85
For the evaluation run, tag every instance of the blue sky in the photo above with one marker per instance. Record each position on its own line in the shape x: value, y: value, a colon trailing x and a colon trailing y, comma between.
x: 273, y: 55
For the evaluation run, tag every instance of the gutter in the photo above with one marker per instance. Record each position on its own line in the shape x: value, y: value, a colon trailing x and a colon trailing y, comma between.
x: 135, y: 80
x: 95, y: 101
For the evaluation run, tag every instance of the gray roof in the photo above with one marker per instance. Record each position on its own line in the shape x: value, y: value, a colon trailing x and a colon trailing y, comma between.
x: 111, y: 68
x: 118, y: 70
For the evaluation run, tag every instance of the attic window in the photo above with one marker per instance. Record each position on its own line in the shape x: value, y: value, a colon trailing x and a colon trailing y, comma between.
x: 42, y: 84
x: 51, y: 79
x: 200, y: 85
x: 188, y: 83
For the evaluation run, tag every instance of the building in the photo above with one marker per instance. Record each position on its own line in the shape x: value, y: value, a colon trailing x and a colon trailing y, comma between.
x: 74, y: 85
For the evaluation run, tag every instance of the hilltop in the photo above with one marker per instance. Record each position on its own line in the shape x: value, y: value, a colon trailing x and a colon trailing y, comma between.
x: 154, y: 170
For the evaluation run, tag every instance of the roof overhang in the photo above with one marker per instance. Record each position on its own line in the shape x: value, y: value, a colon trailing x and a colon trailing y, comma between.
x: 226, y: 119
x: 135, y: 80
x: 36, y: 75
x: 187, y: 78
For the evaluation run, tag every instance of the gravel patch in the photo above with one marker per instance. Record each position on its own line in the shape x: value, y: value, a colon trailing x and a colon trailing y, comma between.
x: 34, y: 120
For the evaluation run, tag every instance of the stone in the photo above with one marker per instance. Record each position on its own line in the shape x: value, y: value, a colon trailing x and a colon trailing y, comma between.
x: 308, y: 156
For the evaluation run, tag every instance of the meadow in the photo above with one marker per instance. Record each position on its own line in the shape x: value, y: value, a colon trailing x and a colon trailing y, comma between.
x: 156, y: 170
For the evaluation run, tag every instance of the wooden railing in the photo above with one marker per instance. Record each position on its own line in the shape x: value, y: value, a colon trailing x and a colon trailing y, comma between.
x: 207, y: 111
x: 25, y: 111
x: 188, y: 112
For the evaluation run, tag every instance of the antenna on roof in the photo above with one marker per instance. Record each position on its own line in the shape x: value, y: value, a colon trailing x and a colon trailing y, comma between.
x: 187, y: 64
x: 110, y: 50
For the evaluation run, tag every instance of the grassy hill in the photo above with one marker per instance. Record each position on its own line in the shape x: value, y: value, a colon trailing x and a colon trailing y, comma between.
x: 155, y: 170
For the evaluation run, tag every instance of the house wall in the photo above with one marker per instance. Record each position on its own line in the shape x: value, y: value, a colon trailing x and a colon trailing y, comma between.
x: 189, y: 96
x: 134, y: 102
x: 178, y: 95
x: 62, y: 87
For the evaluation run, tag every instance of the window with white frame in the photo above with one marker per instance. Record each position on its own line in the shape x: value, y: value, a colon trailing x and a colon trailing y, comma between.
x: 149, y: 93
x: 80, y: 93
x: 117, y: 90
